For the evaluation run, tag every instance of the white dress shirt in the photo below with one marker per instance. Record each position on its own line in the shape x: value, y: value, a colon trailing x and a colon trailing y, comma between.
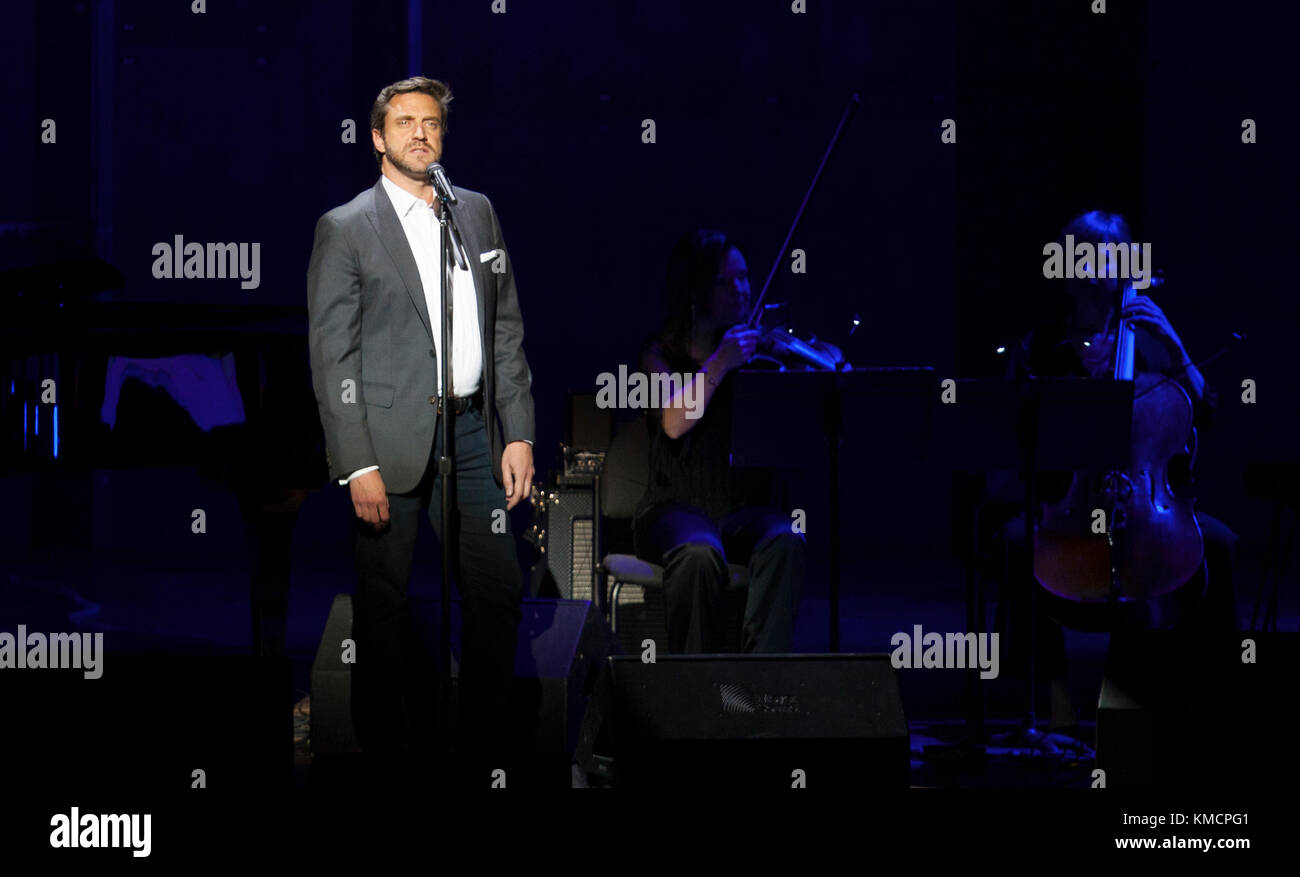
x: 420, y: 222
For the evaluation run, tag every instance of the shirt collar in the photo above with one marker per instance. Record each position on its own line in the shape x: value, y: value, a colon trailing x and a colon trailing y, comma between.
x: 403, y: 201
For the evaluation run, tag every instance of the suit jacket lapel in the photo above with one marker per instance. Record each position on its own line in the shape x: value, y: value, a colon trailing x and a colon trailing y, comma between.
x: 472, y: 237
x: 389, y: 228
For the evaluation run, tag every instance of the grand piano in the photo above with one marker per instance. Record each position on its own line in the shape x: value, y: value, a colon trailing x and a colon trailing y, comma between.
x: 225, y: 389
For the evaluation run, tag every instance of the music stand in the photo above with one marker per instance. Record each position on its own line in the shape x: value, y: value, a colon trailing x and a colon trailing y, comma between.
x: 1030, y: 426
x: 898, y: 414
x: 880, y: 412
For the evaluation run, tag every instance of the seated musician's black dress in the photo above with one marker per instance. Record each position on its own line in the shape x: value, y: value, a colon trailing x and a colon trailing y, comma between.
x: 698, y: 514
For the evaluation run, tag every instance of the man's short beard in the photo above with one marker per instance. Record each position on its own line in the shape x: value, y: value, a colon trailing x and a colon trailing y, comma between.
x: 415, y: 173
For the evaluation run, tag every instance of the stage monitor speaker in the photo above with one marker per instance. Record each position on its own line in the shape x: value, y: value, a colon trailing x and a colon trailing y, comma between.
x: 758, y: 722
x: 560, y: 647
x: 331, y: 684
x: 1186, y: 712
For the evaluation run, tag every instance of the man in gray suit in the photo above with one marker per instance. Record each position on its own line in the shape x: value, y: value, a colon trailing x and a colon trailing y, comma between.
x: 374, y: 303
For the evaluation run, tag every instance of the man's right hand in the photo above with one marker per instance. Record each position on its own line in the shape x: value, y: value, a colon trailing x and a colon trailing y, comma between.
x: 369, y: 499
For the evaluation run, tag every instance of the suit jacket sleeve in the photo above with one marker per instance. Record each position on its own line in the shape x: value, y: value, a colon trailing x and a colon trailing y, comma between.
x: 334, y: 339
x: 514, y: 380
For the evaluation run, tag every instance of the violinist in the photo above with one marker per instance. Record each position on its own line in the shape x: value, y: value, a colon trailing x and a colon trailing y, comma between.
x: 1077, y: 339
x: 697, y: 513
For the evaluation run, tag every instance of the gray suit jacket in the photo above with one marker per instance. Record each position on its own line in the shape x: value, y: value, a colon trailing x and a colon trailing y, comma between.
x: 368, y: 324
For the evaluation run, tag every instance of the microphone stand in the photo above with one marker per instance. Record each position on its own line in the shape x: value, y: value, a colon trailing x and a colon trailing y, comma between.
x: 446, y: 464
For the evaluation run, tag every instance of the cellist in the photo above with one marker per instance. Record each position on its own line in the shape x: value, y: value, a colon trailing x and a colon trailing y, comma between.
x: 1077, y: 339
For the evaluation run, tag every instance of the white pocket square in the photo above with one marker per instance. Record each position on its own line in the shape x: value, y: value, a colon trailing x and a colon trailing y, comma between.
x: 484, y: 258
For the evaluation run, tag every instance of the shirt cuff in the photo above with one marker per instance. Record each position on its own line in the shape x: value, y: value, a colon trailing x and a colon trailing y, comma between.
x: 356, y: 473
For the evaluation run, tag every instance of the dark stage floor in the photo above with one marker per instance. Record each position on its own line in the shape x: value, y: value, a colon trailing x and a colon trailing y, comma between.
x: 172, y: 595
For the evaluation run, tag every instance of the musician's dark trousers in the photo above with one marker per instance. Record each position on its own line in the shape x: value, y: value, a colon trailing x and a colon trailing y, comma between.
x: 393, y: 676
x: 1214, y: 612
x: 695, y: 551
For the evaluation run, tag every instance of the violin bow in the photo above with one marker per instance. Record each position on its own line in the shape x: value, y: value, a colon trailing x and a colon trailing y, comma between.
x: 754, y: 316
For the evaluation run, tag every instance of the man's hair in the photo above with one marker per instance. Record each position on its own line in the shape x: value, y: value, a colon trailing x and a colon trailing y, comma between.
x: 692, y: 269
x: 439, y: 91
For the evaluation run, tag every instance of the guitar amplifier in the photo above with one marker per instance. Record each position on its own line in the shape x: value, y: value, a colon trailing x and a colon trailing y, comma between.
x: 564, y: 533
x: 563, y: 527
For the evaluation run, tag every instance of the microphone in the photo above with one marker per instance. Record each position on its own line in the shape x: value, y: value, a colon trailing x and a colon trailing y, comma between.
x: 441, y: 185
x: 442, y: 189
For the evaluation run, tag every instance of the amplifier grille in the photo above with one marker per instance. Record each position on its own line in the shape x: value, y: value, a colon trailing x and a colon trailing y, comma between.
x: 581, y: 572
x: 569, y: 538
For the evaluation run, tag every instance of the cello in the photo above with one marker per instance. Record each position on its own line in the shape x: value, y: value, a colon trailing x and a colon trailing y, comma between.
x: 1151, y: 545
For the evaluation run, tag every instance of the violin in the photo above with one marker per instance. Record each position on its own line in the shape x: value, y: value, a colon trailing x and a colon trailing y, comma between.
x: 1152, y: 545
x: 782, y: 349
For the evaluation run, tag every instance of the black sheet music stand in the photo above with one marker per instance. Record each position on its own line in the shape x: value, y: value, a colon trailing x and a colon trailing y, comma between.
x: 882, y: 413
x: 897, y: 416
x: 1028, y: 427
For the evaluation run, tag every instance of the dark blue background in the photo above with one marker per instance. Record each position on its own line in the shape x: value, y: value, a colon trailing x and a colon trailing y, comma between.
x: 226, y: 127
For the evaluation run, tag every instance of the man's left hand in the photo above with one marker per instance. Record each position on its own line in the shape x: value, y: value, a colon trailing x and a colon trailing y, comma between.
x: 517, y: 472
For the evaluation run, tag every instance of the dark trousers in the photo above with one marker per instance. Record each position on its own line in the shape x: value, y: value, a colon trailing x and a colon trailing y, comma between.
x: 695, y: 551
x: 394, y: 678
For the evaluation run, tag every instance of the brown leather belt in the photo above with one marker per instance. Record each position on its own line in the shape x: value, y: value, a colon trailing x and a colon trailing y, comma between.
x: 460, y: 404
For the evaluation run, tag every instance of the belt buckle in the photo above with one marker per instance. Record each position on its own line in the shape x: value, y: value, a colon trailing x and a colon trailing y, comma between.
x: 459, y: 404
